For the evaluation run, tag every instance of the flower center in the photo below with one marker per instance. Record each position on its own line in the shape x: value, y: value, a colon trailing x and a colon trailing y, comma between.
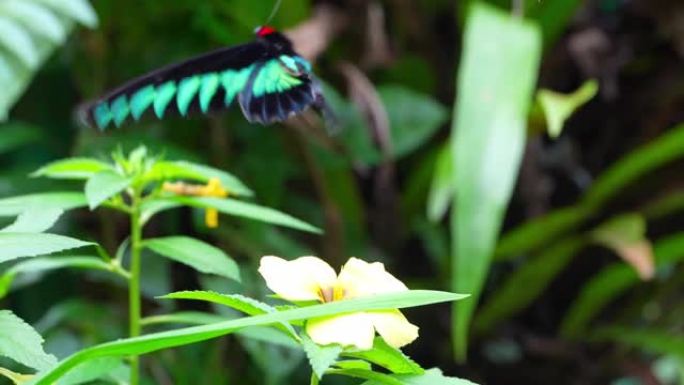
x: 330, y: 294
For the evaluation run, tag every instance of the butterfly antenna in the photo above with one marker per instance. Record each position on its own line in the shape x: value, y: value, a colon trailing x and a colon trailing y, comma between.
x: 276, y: 7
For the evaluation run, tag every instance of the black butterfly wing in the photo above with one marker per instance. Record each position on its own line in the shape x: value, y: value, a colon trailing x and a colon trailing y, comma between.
x: 279, y: 88
x: 207, y: 82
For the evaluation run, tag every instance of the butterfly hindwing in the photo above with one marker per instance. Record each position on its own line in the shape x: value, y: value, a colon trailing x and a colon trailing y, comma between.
x: 279, y: 88
x: 208, y: 82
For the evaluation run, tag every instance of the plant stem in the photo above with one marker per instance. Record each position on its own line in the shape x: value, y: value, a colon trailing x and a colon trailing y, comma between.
x: 134, y: 282
x: 314, y: 379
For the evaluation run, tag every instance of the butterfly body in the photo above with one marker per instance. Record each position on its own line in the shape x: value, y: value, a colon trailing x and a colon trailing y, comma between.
x: 266, y: 78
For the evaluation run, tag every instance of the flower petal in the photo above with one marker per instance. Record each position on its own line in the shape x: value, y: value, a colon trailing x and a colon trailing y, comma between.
x: 355, y: 329
x: 301, y: 279
x: 361, y: 279
x: 394, y: 328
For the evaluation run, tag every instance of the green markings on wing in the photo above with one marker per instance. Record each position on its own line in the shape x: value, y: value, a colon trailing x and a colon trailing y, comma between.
x: 274, y: 77
x: 203, y: 87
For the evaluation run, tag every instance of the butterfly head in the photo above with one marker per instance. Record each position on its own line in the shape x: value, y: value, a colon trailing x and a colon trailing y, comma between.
x: 264, y: 31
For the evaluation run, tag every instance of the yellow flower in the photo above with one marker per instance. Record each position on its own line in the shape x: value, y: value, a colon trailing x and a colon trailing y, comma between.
x: 213, y: 188
x: 312, y: 279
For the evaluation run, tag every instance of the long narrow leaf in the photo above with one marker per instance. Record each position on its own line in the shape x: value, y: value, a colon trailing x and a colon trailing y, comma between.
x: 158, y: 341
x: 488, y: 140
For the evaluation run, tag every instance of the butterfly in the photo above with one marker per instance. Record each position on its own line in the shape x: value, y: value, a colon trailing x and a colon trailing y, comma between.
x: 266, y: 77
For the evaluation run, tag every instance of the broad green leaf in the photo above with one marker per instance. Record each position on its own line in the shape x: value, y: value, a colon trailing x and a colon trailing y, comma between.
x: 489, y: 131
x: 37, y: 265
x: 443, y: 188
x: 414, y: 118
x: 103, y: 186
x: 248, y: 210
x: 612, y: 282
x: 89, y: 371
x: 430, y: 377
x: 526, y: 284
x: 321, y: 358
x: 37, y: 18
x: 11, y: 207
x: 665, y: 149
x: 34, y: 221
x: 387, y: 357
x: 171, y: 170
x: 653, y: 340
x: 21, y: 343
x: 79, y: 10
x: 153, y: 207
x: 19, y: 245
x: 626, y: 235
x: 73, y: 168
x: 199, y: 255
x: 559, y: 107
x: 15, y: 39
x: 540, y: 231
x: 158, y: 341
x: 15, y: 135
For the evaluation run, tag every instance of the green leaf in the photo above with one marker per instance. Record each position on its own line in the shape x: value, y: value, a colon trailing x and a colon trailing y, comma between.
x: 18, y: 41
x: 73, y: 168
x: 540, y: 231
x: 103, y: 186
x: 488, y: 140
x: 259, y: 333
x: 526, y: 283
x: 373, y: 377
x: 238, y: 302
x: 79, y: 10
x: 16, y: 378
x: 626, y: 235
x: 559, y: 107
x: 19, y: 245
x: 387, y: 357
x: 199, y: 255
x: 158, y: 341
x: 443, y: 188
x: 248, y: 210
x: 34, y: 221
x: 92, y: 370
x: 653, y: 340
x: 38, y: 265
x: 612, y: 282
x: 321, y: 358
x: 183, y: 317
x: 20, y: 342
x: 15, y: 135
x: 11, y: 207
x: 414, y: 117
x: 38, y: 19
x: 353, y: 364
x: 667, y: 148
x: 168, y: 170
x: 430, y: 377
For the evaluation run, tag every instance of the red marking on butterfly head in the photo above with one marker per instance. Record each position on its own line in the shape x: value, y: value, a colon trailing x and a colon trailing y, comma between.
x: 264, y: 31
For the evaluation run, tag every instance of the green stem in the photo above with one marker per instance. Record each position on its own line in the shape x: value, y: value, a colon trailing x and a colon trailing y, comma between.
x: 314, y: 379
x: 134, y: 282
